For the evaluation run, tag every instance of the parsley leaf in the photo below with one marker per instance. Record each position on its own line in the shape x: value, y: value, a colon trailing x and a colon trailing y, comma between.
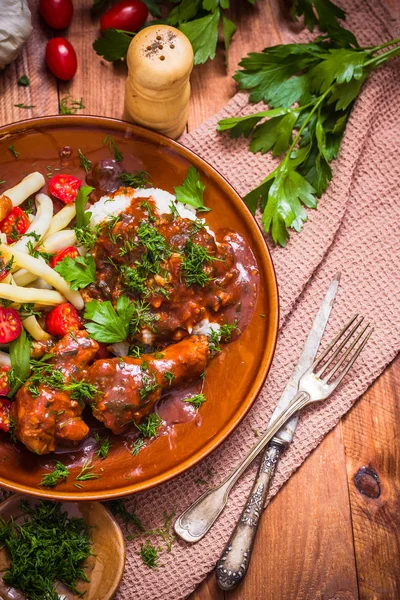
x: 109, y: 325
x: 203, y: 35
x: 324, y: 80
x: 113, y: 44
x: 79, y: 271
x: 191, y: 191
x: 325, y: 14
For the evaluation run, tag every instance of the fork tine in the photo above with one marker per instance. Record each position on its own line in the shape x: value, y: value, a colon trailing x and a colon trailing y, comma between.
x: 321, y: 357
x: 340, y: 347
x: 353, y: 358
x: 346, y: 354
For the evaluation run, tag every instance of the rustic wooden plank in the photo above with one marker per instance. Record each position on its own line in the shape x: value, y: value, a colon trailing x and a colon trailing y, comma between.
x: 99, y: 83
x: 209, y: 590
x: 304, y: 549
x: 42, y: 92
x: 371, y: 436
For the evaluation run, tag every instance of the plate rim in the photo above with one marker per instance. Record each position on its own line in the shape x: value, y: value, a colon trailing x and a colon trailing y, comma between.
x: 192, y: 157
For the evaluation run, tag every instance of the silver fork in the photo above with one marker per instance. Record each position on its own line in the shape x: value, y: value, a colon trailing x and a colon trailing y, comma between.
x: 316, y: 384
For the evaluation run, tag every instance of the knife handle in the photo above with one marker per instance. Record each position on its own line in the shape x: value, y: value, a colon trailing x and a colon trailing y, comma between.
x: 232, y: 566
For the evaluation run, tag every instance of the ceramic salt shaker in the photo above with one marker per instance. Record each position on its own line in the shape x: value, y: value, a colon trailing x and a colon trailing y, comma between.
x: 157, y: 91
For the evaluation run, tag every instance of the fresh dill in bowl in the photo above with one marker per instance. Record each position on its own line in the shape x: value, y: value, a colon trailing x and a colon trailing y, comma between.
x: 48, y: 547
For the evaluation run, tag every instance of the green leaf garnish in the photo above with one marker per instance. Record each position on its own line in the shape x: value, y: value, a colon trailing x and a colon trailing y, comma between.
x: 82, y: 217
x: 23, y: 81
x: 20, y: 353
x: 79, y: 272
x: 149, y: 427
x: 191, y: 191
x: 113, y: 44
x: 197, y: 400
x: 203, y: 35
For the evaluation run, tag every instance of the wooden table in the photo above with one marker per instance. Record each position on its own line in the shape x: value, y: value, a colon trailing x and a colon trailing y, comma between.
x: 321, y: 538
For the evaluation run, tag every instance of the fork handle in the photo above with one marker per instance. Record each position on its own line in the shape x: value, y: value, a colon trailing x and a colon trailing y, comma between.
x: 232, y: 567
x: 199, y: 517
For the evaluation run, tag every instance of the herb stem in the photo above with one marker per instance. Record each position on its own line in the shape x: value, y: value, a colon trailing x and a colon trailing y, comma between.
x: 316, y: 106
x: 382, y: 58
x: 385, y: 45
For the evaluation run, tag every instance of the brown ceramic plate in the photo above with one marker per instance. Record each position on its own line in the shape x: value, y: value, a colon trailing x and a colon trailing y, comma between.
x: 233, y: 379
x: 104, y: 568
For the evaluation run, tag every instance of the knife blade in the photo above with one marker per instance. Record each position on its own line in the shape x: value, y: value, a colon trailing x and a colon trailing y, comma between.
x: 307, y: 356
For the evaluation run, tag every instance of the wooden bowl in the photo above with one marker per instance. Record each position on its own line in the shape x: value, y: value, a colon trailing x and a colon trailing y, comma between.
x: 234, y: 378
x: 104, y: 568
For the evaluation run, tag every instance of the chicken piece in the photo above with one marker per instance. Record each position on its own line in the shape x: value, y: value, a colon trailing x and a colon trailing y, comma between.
x: 129, y: 387
x: 49, y: 415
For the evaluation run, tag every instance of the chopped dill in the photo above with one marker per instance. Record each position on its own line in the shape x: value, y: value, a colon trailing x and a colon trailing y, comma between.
x: 142, y: 316
x: 105, y: 446
x: 137, y: 446
x: 87, y: 236
x: 47, y: 547
x: 112, y: 146
x: 197, y: 400
x: 13, y: 151
x: 149, y: 554
x: 193, y: 262
x: 169, y: 376
x: 222, y: 334
x: 69, y: 106
x: 87, y: 472
x: 23, y: 81
x: 134, y: 281
x: 149, y: 385
x: 140, y: 179
x: 82, y: 391
x: 60, y: 473
x: 84, y: 162
x: 157, y: 249
x: 118, y: 507
x: 47, y: 256
x: 150, y: 426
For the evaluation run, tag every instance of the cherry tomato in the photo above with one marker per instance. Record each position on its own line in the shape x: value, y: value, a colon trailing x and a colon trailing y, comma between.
x: 4, y: 387
x: 71, y: 251
x: 128, y: 15
x: 15, y: 224
x: 5, y: 406
x: 64, y: 187
x: 63, y: 319
x: 61, y: 58
x: 10, y: 325
x: 56, y: 13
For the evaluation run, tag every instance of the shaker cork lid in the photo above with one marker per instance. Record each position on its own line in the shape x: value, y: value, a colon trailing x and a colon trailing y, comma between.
x: 160, y: 56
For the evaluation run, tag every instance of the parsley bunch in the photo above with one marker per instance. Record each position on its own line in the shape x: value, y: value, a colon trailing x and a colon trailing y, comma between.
x: 310, y: 89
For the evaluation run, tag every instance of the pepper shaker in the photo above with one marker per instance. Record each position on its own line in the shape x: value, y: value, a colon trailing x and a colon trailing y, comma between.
x: 157, y: 91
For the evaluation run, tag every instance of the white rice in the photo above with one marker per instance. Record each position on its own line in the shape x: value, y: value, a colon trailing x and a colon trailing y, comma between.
x: 110, y: 207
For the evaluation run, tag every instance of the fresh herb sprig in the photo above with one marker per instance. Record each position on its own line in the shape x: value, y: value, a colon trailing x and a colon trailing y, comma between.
x: 69, y: 106
x: 79, y: 272
x: 311, y: 89
x: 140, y: 179
x: 150, y: 426
x: 59, y: 473
x: 197, y: 400
x: 191, y: 190
x: 104, y: 447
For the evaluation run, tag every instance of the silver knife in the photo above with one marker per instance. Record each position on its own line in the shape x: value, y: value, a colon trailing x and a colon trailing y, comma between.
x: 196, y: 520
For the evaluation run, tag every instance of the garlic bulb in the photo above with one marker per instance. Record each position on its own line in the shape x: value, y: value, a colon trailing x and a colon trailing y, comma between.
x: 15, y: 29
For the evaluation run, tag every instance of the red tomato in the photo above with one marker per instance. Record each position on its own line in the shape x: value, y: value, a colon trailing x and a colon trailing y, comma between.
x: 10, y: 325
x: 64, y: 187
x: 71, y: 251
x: 4, y: 387
x: 61, y: 58
x: 56, y: 13
x: 63, y: 319
x: 5, y: 406
x: 128, y: 15
x: 15, y: 224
